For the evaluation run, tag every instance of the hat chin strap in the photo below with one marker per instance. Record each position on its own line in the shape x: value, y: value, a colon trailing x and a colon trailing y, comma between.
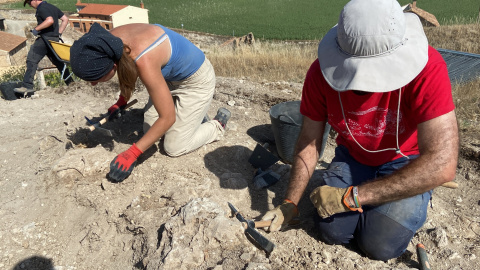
x: 397, y: 150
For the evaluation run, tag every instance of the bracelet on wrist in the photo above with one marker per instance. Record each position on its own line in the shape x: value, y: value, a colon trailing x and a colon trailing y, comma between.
x: 355, y: 197
x: 356, y: 206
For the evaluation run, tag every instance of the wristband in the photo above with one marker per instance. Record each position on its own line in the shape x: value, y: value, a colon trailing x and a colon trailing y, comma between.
x: 354, y: 207
x: 355, y: 197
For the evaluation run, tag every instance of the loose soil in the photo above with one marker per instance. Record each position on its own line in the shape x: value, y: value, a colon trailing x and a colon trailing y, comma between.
x: 60, y: 211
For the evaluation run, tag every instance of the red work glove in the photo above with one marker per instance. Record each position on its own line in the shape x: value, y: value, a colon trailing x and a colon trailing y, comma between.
x: 123, y: 164
x: 115, y: 109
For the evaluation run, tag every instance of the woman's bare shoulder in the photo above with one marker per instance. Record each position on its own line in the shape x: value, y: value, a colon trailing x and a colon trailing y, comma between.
x: 137, y: 36
x: 136, y: 31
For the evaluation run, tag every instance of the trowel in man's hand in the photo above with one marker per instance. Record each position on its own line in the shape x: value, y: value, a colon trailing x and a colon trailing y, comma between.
x: 249, y: 226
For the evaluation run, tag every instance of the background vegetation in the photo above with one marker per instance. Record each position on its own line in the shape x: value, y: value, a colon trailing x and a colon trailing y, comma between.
x: 269, y: 19
x: 13, y: 74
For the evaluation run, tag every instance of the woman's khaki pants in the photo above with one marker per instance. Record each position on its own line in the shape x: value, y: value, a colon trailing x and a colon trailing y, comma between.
x: 192, y: 98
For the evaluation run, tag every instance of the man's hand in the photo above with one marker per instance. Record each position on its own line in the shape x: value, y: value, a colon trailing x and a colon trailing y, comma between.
x: 116, y: 108
x: 35, y: 32
x: 123, y: 164
x: 281, y: 215
x: 332, y: 200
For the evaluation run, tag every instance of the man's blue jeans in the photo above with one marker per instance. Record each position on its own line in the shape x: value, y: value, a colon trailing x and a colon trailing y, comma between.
x: 382, y: 232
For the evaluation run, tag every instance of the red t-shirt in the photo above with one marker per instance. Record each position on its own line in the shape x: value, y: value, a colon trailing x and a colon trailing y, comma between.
x: 372, y: 117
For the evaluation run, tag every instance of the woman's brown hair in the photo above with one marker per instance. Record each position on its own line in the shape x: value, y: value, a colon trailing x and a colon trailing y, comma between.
x: 127, y: 73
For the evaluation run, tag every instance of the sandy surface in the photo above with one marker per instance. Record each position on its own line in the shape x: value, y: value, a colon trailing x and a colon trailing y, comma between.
x: 172, y: 213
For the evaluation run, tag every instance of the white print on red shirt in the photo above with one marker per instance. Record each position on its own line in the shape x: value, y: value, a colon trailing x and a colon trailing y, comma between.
x: 374, y: 122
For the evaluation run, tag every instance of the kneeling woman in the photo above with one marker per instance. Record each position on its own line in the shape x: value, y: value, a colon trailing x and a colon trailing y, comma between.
x: 179, y: 79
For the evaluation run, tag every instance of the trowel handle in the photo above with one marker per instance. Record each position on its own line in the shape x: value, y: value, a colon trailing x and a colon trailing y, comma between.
x: 263, y: 223
x: 130, y: 104
x: 101, y: 122
x: 450, y: 184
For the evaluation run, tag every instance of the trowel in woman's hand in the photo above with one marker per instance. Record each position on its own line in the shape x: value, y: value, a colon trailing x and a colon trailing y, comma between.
x: 96, y: 126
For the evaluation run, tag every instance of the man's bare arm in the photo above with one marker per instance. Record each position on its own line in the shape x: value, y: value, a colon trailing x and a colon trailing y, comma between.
x: 64, y: 24
x: 307, y: 150
x: 45, y: 24
x: 438, y: 144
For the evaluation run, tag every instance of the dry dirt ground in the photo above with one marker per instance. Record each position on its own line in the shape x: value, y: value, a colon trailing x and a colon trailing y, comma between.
x: 59, y: 210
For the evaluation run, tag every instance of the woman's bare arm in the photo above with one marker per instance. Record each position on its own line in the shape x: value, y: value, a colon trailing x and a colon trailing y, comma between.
x: 151, y: 75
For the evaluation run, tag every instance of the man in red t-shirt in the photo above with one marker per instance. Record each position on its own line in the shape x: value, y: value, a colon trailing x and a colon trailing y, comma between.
x: 387, y: 94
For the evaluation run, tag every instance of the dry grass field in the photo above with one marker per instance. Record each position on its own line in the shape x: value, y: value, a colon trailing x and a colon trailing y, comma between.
x: 274, y: 60
x: 455, y: 37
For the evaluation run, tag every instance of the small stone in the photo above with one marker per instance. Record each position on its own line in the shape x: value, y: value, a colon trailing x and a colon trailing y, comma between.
x: 327, y: 257
x: 470, y: 257
x: 246, y: 257
x: 454, y: 256
x: 258, y: 266
x: 440, y: 237
x: 475, y: 228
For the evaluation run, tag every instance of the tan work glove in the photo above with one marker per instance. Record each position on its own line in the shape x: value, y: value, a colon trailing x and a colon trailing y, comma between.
x: 281, y: 215
x: 332, y: 200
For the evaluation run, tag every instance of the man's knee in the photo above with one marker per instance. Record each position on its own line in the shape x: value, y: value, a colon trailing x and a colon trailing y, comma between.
x: 382, y: 238
x: 382, y: 251
x: 336, y: 230
x: 333, y: 238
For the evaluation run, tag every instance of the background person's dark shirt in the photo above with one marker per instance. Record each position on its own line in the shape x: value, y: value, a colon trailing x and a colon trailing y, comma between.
x: 45, y: 10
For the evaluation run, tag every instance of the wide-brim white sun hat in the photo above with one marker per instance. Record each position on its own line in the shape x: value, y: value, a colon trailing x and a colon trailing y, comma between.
x: 375, y: 47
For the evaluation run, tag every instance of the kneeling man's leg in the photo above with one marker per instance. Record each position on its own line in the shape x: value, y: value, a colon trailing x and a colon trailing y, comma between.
x: 338, y: 229
x: 384, y: 231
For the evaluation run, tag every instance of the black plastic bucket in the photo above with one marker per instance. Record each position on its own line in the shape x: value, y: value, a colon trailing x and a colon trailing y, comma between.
x: 286, y: 125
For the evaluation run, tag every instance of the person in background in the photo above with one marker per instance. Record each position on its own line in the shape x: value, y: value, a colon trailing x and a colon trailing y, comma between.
x: 387, y: 94
x: 47, y: 26
x: 178, y: 77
